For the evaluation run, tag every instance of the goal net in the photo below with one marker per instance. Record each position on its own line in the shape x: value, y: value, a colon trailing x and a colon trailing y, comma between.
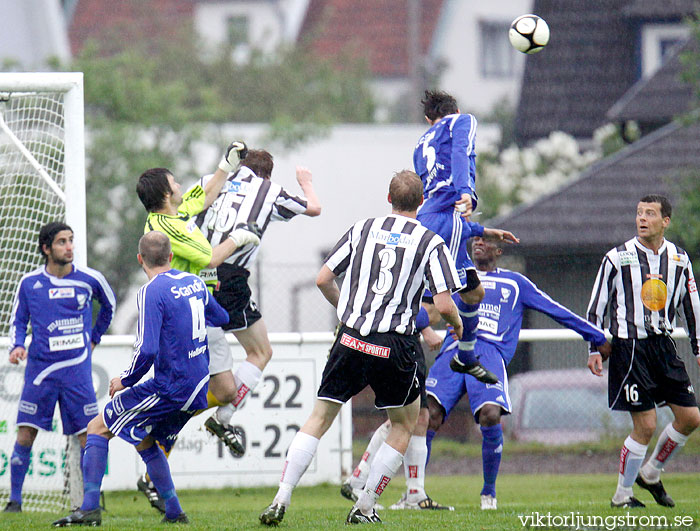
x: 42, y: 179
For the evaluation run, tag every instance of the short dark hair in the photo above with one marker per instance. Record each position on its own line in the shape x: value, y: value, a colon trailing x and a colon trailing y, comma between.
x: 406, y: 191
x: 153, y: 187
x: 47, y: 234
x: 666, y: 208
x: 154, y: 248
x: 260, y: 162
x: 437, y: 104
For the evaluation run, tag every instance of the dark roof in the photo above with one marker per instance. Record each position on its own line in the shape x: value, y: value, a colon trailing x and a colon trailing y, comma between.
x: 586, y: 67
x: 655, y: 9
x: 596, y: 212
x: 377, y: 29
x: 659, y: 98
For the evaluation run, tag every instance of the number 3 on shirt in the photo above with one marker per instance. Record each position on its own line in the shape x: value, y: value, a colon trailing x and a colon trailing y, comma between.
x: 199, y: 327
x: 387, y: 259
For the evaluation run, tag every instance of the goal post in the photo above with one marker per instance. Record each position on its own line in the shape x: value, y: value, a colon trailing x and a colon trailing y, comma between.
x: 42, y: 179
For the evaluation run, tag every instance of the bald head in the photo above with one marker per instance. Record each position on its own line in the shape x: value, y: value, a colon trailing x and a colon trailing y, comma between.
x: 405, y: 191
x: 154, y: 248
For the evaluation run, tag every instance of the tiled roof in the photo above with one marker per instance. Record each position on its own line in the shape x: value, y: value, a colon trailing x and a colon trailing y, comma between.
x: 661, y: 97
x: 596, y: 212
x: 586, y: 67
x: 127, y: 20
x: 377, y: 29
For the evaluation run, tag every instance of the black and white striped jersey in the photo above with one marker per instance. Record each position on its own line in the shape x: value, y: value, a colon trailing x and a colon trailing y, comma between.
x: 244, y: 198
x: 387, y: 262
x: 643, y: 291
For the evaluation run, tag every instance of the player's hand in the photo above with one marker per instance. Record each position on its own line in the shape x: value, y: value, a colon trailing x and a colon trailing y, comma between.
x: 464, y: 206
x: 235, y: 152
x: 304, y: 176
x: 115, y: 385
x: 245, y: 234
x: 500, y: 236
x: 595, y: 364
x: 431, y: 338
x: 605, y: 350
x: 17, y: 354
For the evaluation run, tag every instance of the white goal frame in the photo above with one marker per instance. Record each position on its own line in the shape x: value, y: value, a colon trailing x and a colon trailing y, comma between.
x: 71, y: 85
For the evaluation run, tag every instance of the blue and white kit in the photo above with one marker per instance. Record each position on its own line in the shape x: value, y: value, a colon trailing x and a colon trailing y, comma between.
x: 59, y: 358
x: 174, y: 310
x: 508, y: 294
x: 445, y: 160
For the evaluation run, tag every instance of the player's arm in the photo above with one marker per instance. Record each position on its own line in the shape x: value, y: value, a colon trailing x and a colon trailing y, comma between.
x: 104, y: 294
x: 463, y: 160
x: 214, y: 314
x: 148, y: 330
x: 443, y: 279
x: 325, y: 282
x: 601, y: 294
x: 18, y: 328
x: 235, y: 152
x: 691, y: 309
x: 313, y: 205
x: 448, y: 310
x: 498, y: 235
x: 336, y: 263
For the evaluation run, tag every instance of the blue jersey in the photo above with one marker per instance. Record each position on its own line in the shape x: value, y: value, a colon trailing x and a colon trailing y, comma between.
x: 508, y: 295
x: 446, y: 162
x: 60, y: 311
x: 174, y: 310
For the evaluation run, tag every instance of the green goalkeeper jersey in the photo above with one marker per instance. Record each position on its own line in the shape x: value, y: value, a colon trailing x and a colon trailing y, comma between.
x: 191, y: 250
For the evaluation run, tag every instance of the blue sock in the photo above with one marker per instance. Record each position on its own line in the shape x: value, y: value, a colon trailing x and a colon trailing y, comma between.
x: 19, y: 464
x: 429, y: 443
x: 469, y: 313
x: 94, y: 466
x: 159, y: 472
x: 491, y: 450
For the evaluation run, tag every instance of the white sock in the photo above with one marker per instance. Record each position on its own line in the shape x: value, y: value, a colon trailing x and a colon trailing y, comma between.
x: 247, y: 377
x: 669, y: 444
x: 414, y: 468
x: 385, y: 465
x: 631, y: 459
x: 301, y: 452
x: 359, y: 476
x: 224, y: 413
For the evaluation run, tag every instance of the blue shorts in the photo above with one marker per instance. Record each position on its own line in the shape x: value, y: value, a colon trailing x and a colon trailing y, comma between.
x: 76, y: 401
x: 448, y: 386
x: 456, y: 232
x: 139, y: 411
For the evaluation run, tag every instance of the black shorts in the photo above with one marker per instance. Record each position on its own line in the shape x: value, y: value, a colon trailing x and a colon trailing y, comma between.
x: 234, y: 295
x: 385, y: 362
x: 647, y: 372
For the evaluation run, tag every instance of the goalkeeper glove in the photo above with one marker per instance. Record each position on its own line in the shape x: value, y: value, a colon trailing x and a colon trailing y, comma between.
x: 229, y: 161
x: 244, y: 234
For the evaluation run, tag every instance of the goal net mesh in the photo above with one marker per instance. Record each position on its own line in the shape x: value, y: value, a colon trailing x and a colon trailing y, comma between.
x: 36, y: 122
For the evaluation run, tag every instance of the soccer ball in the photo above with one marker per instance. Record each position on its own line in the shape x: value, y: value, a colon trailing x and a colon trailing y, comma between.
x: 529, y: 33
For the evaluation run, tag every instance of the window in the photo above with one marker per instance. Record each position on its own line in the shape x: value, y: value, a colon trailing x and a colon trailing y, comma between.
x: 658, y: 40
x: 237, y: 29
x: 497, y: 57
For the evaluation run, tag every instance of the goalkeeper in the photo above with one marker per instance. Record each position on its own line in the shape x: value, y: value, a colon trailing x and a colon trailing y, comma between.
x: 173, y: 213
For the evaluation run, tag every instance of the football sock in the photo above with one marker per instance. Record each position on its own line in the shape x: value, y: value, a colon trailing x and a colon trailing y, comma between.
x: 631, y: 458
x: 469, y: 313
x: 491, y: 451
x: 414, y: 468
x: 669, y: 444
x: 19, y: 464
x: 429, y: 436
x: 301, y: 452
x: 94, y: 467
x: 359, y: 476
x: 247, y: 377
x: 159, y: 472
x: 385, y: 465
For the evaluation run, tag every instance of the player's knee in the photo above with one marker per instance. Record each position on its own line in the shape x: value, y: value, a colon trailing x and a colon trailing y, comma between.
x: 26, y: 436
x: 259, y: 355
x: 489, y: 416
x: 436, y: 416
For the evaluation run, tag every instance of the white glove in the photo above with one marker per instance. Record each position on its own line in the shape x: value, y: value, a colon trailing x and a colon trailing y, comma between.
x: 235, y: 152
x: 245, y: 235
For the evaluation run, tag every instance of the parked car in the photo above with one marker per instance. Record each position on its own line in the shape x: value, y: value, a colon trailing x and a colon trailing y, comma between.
x: 566, y: 406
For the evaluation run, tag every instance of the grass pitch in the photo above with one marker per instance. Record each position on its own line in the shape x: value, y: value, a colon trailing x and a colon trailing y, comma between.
x: 543, y: 499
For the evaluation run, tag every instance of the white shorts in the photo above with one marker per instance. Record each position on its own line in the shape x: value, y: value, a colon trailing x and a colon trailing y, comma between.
x: 220, y: 357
